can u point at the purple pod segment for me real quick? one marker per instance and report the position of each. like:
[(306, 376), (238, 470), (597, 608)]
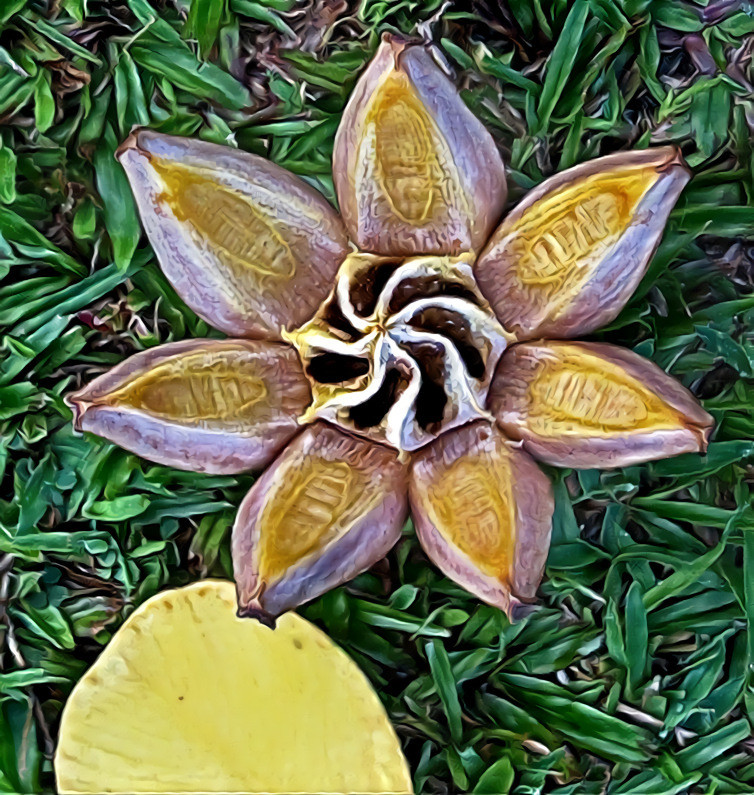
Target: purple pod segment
[(415, 171), (569, 256), (217, 406), (250, 247), (483, 513), (330, 507), (584, 405)]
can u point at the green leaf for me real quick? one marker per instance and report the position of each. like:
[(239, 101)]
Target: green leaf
[(44, 102), (703, 751), (52, 33), (204, 21), (442, 675), (637, 636), (674, 15), (749, 586), (7, 175), (126, 507), (9, 8), (680, 580), (121, 218), (20, 756), (497, 779), (266, 12), (17, 398), (180, 66), (28, 240), (560, 65)]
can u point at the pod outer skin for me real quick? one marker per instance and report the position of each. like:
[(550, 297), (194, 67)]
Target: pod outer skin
[(310, 226), (215, 450), (508, 402), (616, 277)]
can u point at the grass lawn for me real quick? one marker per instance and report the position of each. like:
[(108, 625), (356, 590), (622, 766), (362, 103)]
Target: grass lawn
[(634, 674)]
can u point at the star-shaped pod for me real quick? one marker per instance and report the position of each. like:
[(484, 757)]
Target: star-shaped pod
[(420, 368)]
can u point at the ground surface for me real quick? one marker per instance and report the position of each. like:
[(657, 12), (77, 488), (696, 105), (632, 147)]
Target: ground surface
[(634, 675)]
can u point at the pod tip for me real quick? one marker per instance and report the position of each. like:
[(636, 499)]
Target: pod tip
[(256, 611)]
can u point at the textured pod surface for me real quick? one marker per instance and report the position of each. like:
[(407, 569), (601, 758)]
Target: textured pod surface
[(585, 405), (567, 259), (218, 406), (483, 513), (250, 247), (327, 509), (190, 698), (415, 171)]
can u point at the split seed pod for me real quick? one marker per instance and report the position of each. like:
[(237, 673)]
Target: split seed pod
[(250, 247), (329, 508), (188, 697), (568, 257), (414, 346), (414, 169), (483, 510), (581, 404), (218, 406)]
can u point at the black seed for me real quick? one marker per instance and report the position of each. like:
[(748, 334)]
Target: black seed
[(372, 411), (427, 287), (431, 400), (333, 315), (333, 368), (430, 403), (456, 328), (366, 291)]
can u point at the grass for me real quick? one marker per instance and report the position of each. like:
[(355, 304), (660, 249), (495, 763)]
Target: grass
[(635, 673)]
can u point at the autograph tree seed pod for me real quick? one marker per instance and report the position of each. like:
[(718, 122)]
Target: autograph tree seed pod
[(250, 247), (329, 507), (418, 350), (188, 697), (217, 406), (581, 404), (483, 512), (567, 259), (425, 341), (414, 169)]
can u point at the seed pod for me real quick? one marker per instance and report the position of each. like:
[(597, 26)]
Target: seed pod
[(249, 247), (415, 171), (568, 258), (584, 405), (218, 406), (327, 509), (483, 513)]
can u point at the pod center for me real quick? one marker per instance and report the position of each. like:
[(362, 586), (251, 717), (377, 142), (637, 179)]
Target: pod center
[(402, 349)]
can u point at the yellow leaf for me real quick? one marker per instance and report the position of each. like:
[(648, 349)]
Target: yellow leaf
[(190, 698)]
